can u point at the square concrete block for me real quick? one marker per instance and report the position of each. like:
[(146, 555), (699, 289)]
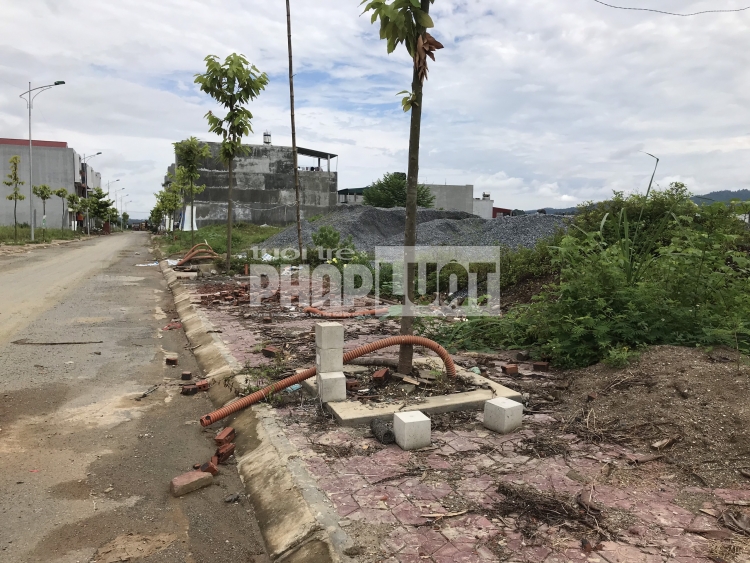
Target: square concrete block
[(329, 335), (331, 386), (329, 359), (412, 430), (502, 415)]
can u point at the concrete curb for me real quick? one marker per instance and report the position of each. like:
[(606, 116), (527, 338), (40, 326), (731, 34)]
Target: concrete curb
[(296, 520)]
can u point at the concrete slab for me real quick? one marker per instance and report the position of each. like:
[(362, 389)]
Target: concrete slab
[(354, 413)]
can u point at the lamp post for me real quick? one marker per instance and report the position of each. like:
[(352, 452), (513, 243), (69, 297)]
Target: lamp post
[(111, 182), (86, 184), (30, 105), (123, 206), (115, 194)]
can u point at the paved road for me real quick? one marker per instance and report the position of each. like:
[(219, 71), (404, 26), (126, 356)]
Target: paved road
[(84, 467)]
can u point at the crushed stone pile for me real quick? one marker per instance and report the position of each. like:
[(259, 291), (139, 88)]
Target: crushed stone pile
[(373, 226)]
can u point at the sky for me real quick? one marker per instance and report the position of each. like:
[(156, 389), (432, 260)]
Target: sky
[(541, 103)]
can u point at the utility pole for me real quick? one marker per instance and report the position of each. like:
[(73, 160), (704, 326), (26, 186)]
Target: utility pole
[(294, 131), (30, 104)]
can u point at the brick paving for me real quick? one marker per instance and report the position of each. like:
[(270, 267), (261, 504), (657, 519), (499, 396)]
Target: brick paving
[(400, 494)]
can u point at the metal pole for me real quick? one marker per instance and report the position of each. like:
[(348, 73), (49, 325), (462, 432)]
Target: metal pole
[(31, 183)]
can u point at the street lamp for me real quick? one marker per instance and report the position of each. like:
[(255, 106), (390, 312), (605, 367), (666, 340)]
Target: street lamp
[(86, 184), (114, 192), (111, 182), (30, 105)]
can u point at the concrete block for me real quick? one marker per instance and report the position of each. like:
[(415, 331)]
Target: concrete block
[(189, 482), (329, 335), (331, 386), (329, 359), (412, 430), (502, 415)]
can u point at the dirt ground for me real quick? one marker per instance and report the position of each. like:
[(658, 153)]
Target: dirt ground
[(86, 459)]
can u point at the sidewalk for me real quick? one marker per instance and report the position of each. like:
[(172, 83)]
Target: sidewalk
[(539, 494)]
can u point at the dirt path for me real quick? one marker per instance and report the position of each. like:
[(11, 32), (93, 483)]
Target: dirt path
[(84, 467)]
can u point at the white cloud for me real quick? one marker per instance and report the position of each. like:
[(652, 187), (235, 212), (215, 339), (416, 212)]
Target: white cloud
[(543, 104)]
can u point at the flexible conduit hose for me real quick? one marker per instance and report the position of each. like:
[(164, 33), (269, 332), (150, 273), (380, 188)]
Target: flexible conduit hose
[(253, 398), (343, 314)]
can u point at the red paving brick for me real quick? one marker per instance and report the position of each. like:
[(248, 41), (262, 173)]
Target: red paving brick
[(392, 488)]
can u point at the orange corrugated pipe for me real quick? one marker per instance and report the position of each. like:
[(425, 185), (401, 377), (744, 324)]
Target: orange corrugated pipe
[(193, 253), (253, 398), (344, 314)]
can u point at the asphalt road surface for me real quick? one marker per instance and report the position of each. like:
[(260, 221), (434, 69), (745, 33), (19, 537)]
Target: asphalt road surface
[(84, 466)]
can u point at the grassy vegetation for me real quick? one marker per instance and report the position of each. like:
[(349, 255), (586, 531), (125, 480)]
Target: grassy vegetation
[(24, 235), (244, 236), (636, 271)]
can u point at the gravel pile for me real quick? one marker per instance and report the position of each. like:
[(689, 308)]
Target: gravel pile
[(373, 226)]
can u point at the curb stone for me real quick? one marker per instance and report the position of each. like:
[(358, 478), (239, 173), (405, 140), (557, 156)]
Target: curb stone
[(297, 521)]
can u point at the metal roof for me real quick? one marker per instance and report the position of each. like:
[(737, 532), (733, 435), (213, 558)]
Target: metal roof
[(315, 154)]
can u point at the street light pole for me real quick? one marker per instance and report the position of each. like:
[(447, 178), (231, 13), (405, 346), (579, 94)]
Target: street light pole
[(86, 184), (30, 104)]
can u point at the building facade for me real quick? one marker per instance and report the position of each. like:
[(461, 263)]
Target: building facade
[(54, 164), (263, 188)]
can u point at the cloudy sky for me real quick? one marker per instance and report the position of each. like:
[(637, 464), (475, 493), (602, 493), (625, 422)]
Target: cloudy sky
[(539, 102)]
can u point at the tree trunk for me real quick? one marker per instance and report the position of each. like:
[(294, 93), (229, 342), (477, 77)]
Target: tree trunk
[(229, 218), (62, 222), (294, 130), (44, 220), (15, 221), (406, 351), (192, 227)]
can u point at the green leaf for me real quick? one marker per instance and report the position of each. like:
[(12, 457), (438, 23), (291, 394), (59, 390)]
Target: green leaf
[(424, 19)]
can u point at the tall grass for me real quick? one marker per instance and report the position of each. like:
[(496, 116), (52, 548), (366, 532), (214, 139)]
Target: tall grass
[(24, 235), (244, 236)]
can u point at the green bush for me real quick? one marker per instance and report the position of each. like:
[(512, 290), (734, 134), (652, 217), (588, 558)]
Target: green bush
[(670, 279)]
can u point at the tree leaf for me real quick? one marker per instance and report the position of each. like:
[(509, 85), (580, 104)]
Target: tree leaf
[(424, 19)]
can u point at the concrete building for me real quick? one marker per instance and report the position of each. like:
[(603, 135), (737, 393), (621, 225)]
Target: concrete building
[(56, 165), (263, 188), (484, 207), (453, 198), (351, 196)]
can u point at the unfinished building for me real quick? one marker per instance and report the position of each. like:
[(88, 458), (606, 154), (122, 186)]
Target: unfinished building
[(263, 187)]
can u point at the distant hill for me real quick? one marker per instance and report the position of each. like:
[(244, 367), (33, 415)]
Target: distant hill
[(722, 195)]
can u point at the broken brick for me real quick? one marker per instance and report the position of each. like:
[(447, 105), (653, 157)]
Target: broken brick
[(202, 385), (172, 359), (209, 467), (189, 389), (541, 366), (225, 436), (352, 385), (224, 452), (187, 376), (215, 460), (173, 326), (510, 369), (380, 376), (270, 351)]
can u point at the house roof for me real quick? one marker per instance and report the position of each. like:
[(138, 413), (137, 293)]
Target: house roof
[(35, 143), (315, 154)]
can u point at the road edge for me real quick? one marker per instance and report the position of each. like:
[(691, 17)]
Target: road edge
[(296, 520)]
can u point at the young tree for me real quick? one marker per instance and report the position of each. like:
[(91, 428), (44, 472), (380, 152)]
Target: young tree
[(14, 181), (407, 21), (190, 153), (390, 191), (74, 206), (62, 193), (43, 192), (233, 83), (168, 199), (98, 205), (125, 219)]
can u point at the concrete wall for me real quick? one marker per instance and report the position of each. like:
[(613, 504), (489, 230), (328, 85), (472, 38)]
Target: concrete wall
[(453, 198), (483, 208), (263, 188), (52, 166)]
